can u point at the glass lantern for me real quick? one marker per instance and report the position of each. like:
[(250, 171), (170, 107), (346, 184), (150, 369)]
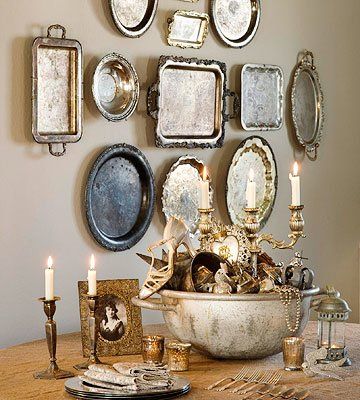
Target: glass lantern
[(332, 314)]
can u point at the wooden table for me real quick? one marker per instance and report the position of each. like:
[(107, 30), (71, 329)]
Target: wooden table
[(18, 363)]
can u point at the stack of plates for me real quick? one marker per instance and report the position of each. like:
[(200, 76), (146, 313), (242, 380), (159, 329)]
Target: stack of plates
[(79, 390)]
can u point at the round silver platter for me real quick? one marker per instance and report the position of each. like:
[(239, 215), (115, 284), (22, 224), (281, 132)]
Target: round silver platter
[(74, 387), (115, 87)]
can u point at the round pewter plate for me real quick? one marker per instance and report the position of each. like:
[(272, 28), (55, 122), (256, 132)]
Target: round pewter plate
[(74, 387), (181, 194), (236, 21), (120, 196), (133, 17), (256, 153), (115, 87)]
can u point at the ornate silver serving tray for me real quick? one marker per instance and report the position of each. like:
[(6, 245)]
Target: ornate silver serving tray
[(181, 193), (256, 153), (236, 21), (115, 87), (307, 102), (262, 97), (57, 69), (188, 29), (188, 102), (133, 17)]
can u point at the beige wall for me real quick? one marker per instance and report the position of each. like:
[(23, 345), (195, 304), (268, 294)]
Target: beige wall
[(42, 197)]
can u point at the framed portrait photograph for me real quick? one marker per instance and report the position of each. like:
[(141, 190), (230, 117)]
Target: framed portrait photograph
[(118, 321)]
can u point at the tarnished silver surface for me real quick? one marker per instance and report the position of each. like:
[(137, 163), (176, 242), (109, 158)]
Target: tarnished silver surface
[(133, 17), (56, 89), (242, 326), (115, 87), (181, 194), (188, 102), (307, 102), (262, 96), (255, 153), (236, 21), (188, 29)]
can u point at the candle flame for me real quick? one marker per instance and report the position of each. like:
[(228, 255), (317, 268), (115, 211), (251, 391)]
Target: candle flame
[(204, 173), (92, 262), (295, 169), (251, 175), (50, 262)]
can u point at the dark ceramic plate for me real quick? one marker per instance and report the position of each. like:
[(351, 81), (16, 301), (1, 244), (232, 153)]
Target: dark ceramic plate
[(120, 196)]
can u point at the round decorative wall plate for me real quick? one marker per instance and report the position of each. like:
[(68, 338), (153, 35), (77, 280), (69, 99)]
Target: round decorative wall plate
[(236, 21), (120, 196), (256, 153), (181, 191), (133, 17)]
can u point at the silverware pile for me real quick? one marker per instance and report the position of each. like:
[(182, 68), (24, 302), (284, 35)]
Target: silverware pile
[(256, 384)]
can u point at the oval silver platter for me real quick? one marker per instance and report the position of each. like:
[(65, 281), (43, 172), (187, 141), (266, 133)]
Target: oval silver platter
[(74, 387), (181, 194), (256, 153), (236, 21), (120, 196), (133, 17), (115, 87)]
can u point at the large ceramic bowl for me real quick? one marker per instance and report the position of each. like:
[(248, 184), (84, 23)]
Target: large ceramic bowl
[(241, 326)]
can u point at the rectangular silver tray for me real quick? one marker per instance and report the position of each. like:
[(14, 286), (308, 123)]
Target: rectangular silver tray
[(56, 89), (188, 102), (261, 97)]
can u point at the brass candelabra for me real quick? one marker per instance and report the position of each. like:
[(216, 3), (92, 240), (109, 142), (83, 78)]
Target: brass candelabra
[(53, 371)]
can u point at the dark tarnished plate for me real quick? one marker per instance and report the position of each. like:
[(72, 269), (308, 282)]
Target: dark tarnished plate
[(120, 196)]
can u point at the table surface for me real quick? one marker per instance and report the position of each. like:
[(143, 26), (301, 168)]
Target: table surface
[(18, 363)]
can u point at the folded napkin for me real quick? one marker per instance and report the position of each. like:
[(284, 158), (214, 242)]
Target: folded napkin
[(134, 369)]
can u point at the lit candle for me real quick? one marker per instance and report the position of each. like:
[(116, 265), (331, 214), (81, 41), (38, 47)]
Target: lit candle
[(295, 185), (49, 280), (204, 190), (92, 277), (251, 190)]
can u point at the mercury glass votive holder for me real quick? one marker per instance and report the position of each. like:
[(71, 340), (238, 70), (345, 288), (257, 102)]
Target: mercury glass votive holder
[(153, 349), (293, 353), (178, 356)]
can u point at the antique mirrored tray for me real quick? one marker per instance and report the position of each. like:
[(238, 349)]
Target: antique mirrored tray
[(57, 97), (188, 102), (181, 193), (256, 153), (188, 29), (133, 17), (307, 102), (120, 196), (262, 97), (115, 87), (236, 21)]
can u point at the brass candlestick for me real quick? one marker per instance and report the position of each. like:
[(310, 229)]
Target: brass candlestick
[(53, 371), (205, 223), (93, 301)]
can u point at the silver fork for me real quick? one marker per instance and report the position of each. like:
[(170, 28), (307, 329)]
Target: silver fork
[(265, 388), (241, 374), (247, 381), (244, 378), (262, 380)]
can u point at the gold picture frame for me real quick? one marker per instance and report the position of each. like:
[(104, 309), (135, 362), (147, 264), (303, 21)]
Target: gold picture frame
[(118, 321)]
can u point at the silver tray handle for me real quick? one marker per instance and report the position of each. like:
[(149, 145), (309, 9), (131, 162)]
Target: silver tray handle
[(153, 304), (236, 105), (57, 153), (152, 101), (56, 26)]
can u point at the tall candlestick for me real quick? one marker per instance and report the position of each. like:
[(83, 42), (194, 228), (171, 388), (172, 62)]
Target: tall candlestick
[(295, 185), (92, 277), (204, 190), (49, 280), (251, 190)]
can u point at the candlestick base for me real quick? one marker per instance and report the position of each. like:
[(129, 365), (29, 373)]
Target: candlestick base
[(53, 372), (91, 361)]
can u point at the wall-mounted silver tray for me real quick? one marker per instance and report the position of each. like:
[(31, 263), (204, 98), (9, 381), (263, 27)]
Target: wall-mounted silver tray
[(115, 87), (188, 102), (120, 196), (236, 21), (133, 17), (188, 29), (181, 193), (262, 97), (256, 153), (57, 98), (307, 102)]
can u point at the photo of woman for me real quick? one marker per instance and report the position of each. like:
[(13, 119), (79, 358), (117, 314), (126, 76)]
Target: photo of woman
[(113, 320)]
